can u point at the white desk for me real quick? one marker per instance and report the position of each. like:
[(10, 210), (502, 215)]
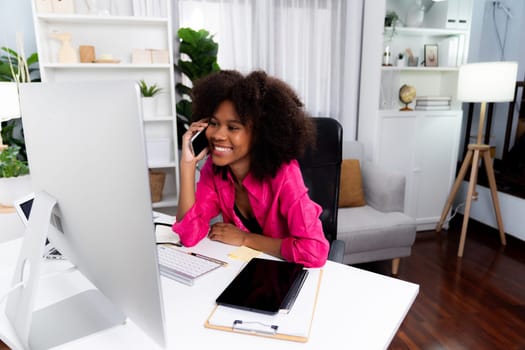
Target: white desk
[(356, 309), (10, 226)]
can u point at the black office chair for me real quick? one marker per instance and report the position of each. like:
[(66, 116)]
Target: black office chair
[(321, 170)]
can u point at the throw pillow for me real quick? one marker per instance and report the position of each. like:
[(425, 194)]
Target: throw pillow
[(351, 187)]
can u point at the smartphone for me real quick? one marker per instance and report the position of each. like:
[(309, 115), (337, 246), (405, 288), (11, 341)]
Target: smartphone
[(199, 141)]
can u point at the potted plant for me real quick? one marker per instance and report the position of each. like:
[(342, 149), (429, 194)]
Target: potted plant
[(391, 21), (148, 93), (198, 58), (15, 181), (14, 176), (14, 67)]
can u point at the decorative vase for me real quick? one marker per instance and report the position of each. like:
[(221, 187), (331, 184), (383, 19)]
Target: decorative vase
[(66, 53), (149, 108), (13, 188)]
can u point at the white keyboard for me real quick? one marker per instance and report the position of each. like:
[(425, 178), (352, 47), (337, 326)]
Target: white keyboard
[(182, 266)]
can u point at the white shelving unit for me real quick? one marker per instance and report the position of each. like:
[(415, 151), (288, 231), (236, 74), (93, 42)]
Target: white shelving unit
[(116, 34), (421, 144)]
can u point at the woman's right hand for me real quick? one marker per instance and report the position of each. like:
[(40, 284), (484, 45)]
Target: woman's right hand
[(187, 155), (188, 168)]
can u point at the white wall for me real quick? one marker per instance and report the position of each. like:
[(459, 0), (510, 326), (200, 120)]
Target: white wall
[(16, 16)]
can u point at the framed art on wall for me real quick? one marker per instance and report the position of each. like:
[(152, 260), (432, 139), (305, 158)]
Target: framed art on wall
[(431, 55)]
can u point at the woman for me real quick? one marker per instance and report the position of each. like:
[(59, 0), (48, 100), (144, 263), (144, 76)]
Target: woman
[(256, 129)]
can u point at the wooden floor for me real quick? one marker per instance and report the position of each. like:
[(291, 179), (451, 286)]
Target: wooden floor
[(477, 302)]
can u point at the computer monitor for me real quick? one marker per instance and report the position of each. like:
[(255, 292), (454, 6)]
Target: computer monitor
[(86, 149)]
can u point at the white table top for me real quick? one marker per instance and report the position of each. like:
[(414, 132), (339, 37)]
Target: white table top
[(356, 309), (10, 226)]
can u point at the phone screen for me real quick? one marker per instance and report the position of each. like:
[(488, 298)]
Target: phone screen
[(199, 141)]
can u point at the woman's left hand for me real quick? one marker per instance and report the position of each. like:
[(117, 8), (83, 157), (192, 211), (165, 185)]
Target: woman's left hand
[(227, 233)]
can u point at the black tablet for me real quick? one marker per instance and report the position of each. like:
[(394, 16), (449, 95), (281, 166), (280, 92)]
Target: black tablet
[(265, 286)]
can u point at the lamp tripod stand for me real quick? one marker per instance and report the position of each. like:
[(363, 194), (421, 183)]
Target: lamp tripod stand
[(476, 152)]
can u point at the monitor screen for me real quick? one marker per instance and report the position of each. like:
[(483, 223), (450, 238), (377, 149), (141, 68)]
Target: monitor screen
[(86, 149)]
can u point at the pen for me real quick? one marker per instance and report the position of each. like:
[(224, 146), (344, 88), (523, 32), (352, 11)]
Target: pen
[(217, 261)]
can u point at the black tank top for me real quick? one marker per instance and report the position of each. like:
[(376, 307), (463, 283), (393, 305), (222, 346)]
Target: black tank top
[(250, 223)]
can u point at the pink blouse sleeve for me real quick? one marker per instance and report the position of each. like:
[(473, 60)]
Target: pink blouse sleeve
[(195, 224), (307, 244)]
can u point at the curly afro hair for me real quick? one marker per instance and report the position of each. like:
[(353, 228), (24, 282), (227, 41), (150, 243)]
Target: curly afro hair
[(210, 91), (281, 128)]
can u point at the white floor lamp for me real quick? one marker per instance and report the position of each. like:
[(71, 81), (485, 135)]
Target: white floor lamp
[(481, 82)]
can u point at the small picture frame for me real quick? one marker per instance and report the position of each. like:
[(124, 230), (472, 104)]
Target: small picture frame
[(431, 55)]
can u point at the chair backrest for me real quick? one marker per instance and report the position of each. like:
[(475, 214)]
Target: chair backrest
[(321, 170)]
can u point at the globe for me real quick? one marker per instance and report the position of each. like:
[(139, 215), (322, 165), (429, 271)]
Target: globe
[(407, 94)]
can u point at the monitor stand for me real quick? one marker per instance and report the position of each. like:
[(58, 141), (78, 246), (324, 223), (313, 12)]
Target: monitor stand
[(64, 321)]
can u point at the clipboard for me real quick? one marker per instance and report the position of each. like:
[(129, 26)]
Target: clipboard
[(294, 325)]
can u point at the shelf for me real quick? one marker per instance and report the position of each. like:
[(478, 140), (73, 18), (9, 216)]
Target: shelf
[(118, 35), (412, 31), (164, 118), (160, 165), (419, 69), (169, 200), (397, 112), (103, 66), (92, 19)]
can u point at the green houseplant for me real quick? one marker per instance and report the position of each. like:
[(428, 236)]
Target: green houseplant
[(14, 67), (149, 90), (148, 93), (198, 58), (14, 176), (10, 165), (14, 171), (391, 21)]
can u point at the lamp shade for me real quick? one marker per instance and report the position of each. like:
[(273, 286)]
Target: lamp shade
[(9, 104), (487, 81)]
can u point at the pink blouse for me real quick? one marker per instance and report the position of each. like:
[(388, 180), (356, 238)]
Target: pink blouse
[(280, 204)]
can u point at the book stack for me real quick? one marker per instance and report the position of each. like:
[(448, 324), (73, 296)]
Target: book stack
[(433, 103)]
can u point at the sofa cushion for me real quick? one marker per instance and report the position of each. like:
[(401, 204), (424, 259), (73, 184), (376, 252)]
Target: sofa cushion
[(366, 229), (351, 185)]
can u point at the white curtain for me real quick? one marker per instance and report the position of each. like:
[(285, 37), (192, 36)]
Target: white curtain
[(313, 45)]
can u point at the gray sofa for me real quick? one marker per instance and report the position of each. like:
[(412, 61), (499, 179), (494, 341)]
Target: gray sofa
[(379, 230)]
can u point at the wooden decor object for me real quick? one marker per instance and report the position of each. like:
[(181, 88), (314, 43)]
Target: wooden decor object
[(159, 56), (87, 53), (140, 56), (66, 53)]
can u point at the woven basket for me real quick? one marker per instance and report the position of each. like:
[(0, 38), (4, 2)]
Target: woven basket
[(156, 185)]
